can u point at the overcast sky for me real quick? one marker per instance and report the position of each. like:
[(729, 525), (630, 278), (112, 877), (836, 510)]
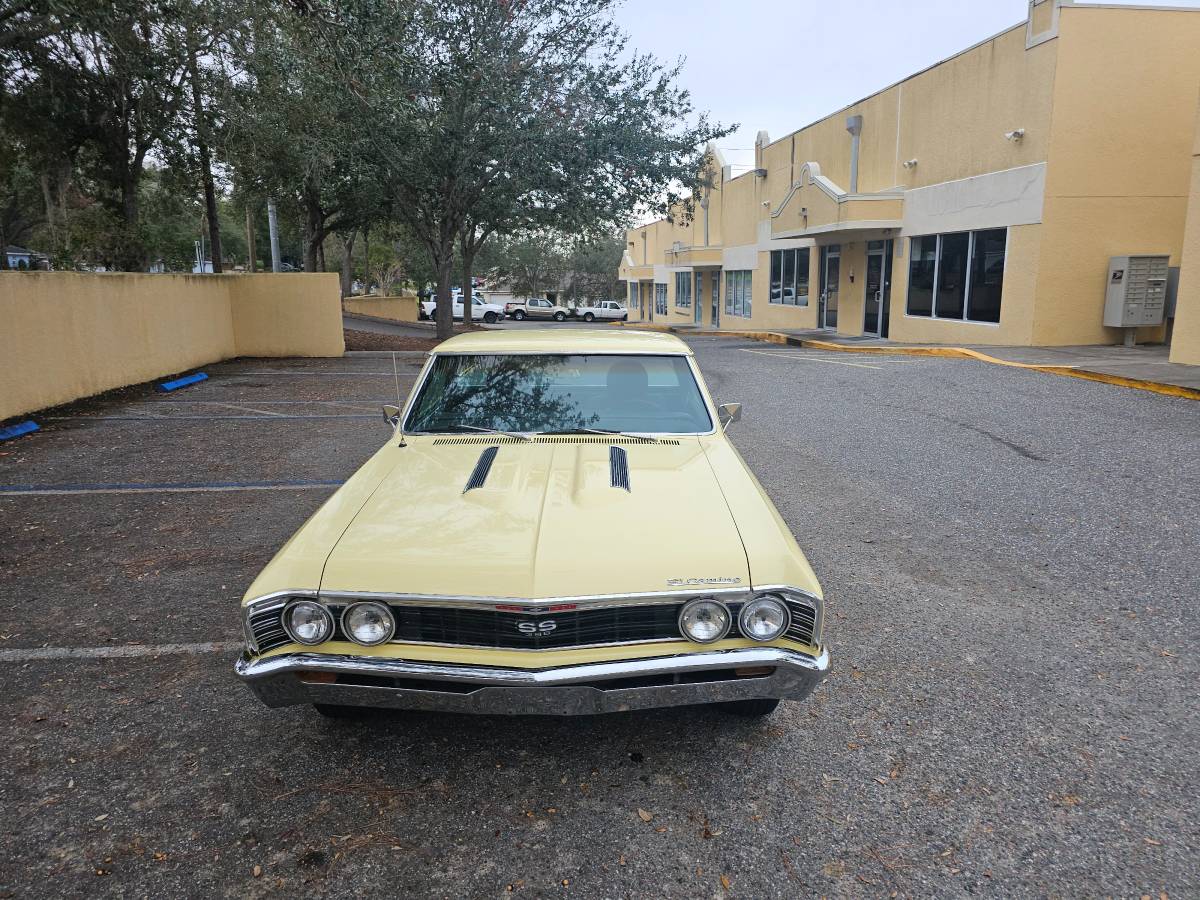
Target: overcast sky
[(780, 64)]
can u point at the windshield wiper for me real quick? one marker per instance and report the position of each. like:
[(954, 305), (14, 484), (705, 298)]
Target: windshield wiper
[(511, 434), (609, 431)]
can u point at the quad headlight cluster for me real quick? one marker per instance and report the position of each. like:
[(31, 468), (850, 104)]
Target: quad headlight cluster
[(706, 620), (368, 623)]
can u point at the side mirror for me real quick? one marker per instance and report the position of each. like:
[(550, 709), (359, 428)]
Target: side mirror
[(729, 412), (391, 414)]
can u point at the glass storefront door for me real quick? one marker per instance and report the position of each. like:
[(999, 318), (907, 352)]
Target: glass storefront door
[(831, 273)]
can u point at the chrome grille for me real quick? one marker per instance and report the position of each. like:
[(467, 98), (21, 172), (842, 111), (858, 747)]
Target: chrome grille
[(267, 627), (804, 621), (536, 629), (551, 439)]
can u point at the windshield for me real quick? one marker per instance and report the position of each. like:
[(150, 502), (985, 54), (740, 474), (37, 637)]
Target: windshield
[(544, 393)]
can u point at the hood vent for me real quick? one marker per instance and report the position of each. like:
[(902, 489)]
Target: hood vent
[(618, 468), (549, 439), (479, 476)]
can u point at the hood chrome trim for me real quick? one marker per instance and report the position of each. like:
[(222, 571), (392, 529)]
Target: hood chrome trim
[(480, 473), (618, 468)]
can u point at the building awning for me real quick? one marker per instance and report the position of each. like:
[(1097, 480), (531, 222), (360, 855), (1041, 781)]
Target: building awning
[(815, 205), (694, 256)]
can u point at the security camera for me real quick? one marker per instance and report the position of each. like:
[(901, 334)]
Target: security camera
[(1014, 136), (910, 163)]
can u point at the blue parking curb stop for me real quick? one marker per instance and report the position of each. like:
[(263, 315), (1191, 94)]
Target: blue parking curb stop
[(182, 382), (15, 431)]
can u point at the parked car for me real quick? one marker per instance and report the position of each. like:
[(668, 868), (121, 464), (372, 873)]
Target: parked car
[(605, 309), (382, 600), (537, 308), (481, 309)]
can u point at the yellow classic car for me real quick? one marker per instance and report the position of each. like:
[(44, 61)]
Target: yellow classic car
[(699, 594)]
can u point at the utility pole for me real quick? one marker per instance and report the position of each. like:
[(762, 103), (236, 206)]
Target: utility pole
[(273, 222)]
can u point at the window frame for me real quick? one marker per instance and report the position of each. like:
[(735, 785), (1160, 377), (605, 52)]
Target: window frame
[(683, 290), (967, 280), (779, 265), (739, 293)]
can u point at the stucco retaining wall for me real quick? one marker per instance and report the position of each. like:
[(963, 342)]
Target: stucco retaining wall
[(67, 335)]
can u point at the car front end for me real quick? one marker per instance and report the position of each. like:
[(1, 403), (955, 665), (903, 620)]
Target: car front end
[(560, 656), (382, 599)]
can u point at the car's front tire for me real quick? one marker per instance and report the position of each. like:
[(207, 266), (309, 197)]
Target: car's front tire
[(490, 318), (756, 708), (519, 315), (560, 317)]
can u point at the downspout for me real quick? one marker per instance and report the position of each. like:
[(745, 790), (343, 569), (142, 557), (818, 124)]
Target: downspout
[(854, 126)]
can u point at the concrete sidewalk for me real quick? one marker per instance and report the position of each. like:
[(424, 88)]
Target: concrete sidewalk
[(1145, 367)]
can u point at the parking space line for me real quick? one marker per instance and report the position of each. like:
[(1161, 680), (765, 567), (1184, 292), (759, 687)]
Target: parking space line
[(301, 374), (796, 356), (161, 420), (34, 654), (54, 490)]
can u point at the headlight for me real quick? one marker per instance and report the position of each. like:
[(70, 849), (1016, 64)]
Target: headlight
[(308, 622), (368, 623), (764, 619), (704, 621)]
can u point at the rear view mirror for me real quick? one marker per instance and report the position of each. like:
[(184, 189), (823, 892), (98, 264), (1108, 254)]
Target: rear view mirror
[(729, 412), (391, 414)]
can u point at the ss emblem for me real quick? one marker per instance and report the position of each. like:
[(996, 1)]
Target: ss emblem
[(543, 627)]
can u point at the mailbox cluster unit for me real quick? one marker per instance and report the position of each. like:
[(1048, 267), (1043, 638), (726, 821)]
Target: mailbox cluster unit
[(1137, 291)]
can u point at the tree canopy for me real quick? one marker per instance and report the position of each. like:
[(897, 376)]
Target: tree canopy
[(432, 124)]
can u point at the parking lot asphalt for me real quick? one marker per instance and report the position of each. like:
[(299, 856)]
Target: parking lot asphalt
[(1009, 561)]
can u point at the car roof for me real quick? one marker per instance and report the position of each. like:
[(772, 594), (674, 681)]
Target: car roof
[(566, 340)]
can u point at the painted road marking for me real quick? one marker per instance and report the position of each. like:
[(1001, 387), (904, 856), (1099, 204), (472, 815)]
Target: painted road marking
[(369, 402), (39, 653), (160, 420), (54, 490), (796, 356), (264, 412)]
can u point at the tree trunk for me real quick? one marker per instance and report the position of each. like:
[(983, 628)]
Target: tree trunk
[(321, 253), (445, 302), (468, 263), (348, 264), (206, 175), (314, 230), (251, 250), (367, 262)]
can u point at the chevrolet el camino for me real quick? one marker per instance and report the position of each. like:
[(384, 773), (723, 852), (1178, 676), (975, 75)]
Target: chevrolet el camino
[(700, 595)]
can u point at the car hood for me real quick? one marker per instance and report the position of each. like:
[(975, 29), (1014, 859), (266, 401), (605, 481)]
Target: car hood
[(546, 522)]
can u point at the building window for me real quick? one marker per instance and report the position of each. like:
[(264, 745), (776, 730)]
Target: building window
[(737, 293), (660, 299), (789, 277), (633, 296), (957, 276), (683, 289)]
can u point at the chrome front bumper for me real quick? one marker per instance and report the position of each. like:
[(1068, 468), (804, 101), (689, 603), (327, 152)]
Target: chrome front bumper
[(570, 690)]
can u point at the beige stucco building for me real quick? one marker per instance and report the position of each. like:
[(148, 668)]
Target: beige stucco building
[(978, 201)]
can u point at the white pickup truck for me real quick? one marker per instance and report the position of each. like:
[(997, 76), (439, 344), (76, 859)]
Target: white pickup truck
[(605, 309), (481, 310)]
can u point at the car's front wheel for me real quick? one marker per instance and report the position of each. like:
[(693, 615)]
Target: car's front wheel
[(519, 315), (560, 317), (588, 317), (757, 708), (490, 318)]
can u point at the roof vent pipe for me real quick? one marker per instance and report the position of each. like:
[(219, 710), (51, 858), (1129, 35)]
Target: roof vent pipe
[(854, 126)]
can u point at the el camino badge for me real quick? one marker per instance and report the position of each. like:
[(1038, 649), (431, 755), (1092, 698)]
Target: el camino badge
[(688, 582)]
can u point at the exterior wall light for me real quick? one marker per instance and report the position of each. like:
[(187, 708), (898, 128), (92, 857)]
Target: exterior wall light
[(910, 163), (1014, 136)]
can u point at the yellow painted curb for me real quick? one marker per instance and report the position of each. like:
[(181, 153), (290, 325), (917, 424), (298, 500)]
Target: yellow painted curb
[(775, 337), (1139, 384)]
